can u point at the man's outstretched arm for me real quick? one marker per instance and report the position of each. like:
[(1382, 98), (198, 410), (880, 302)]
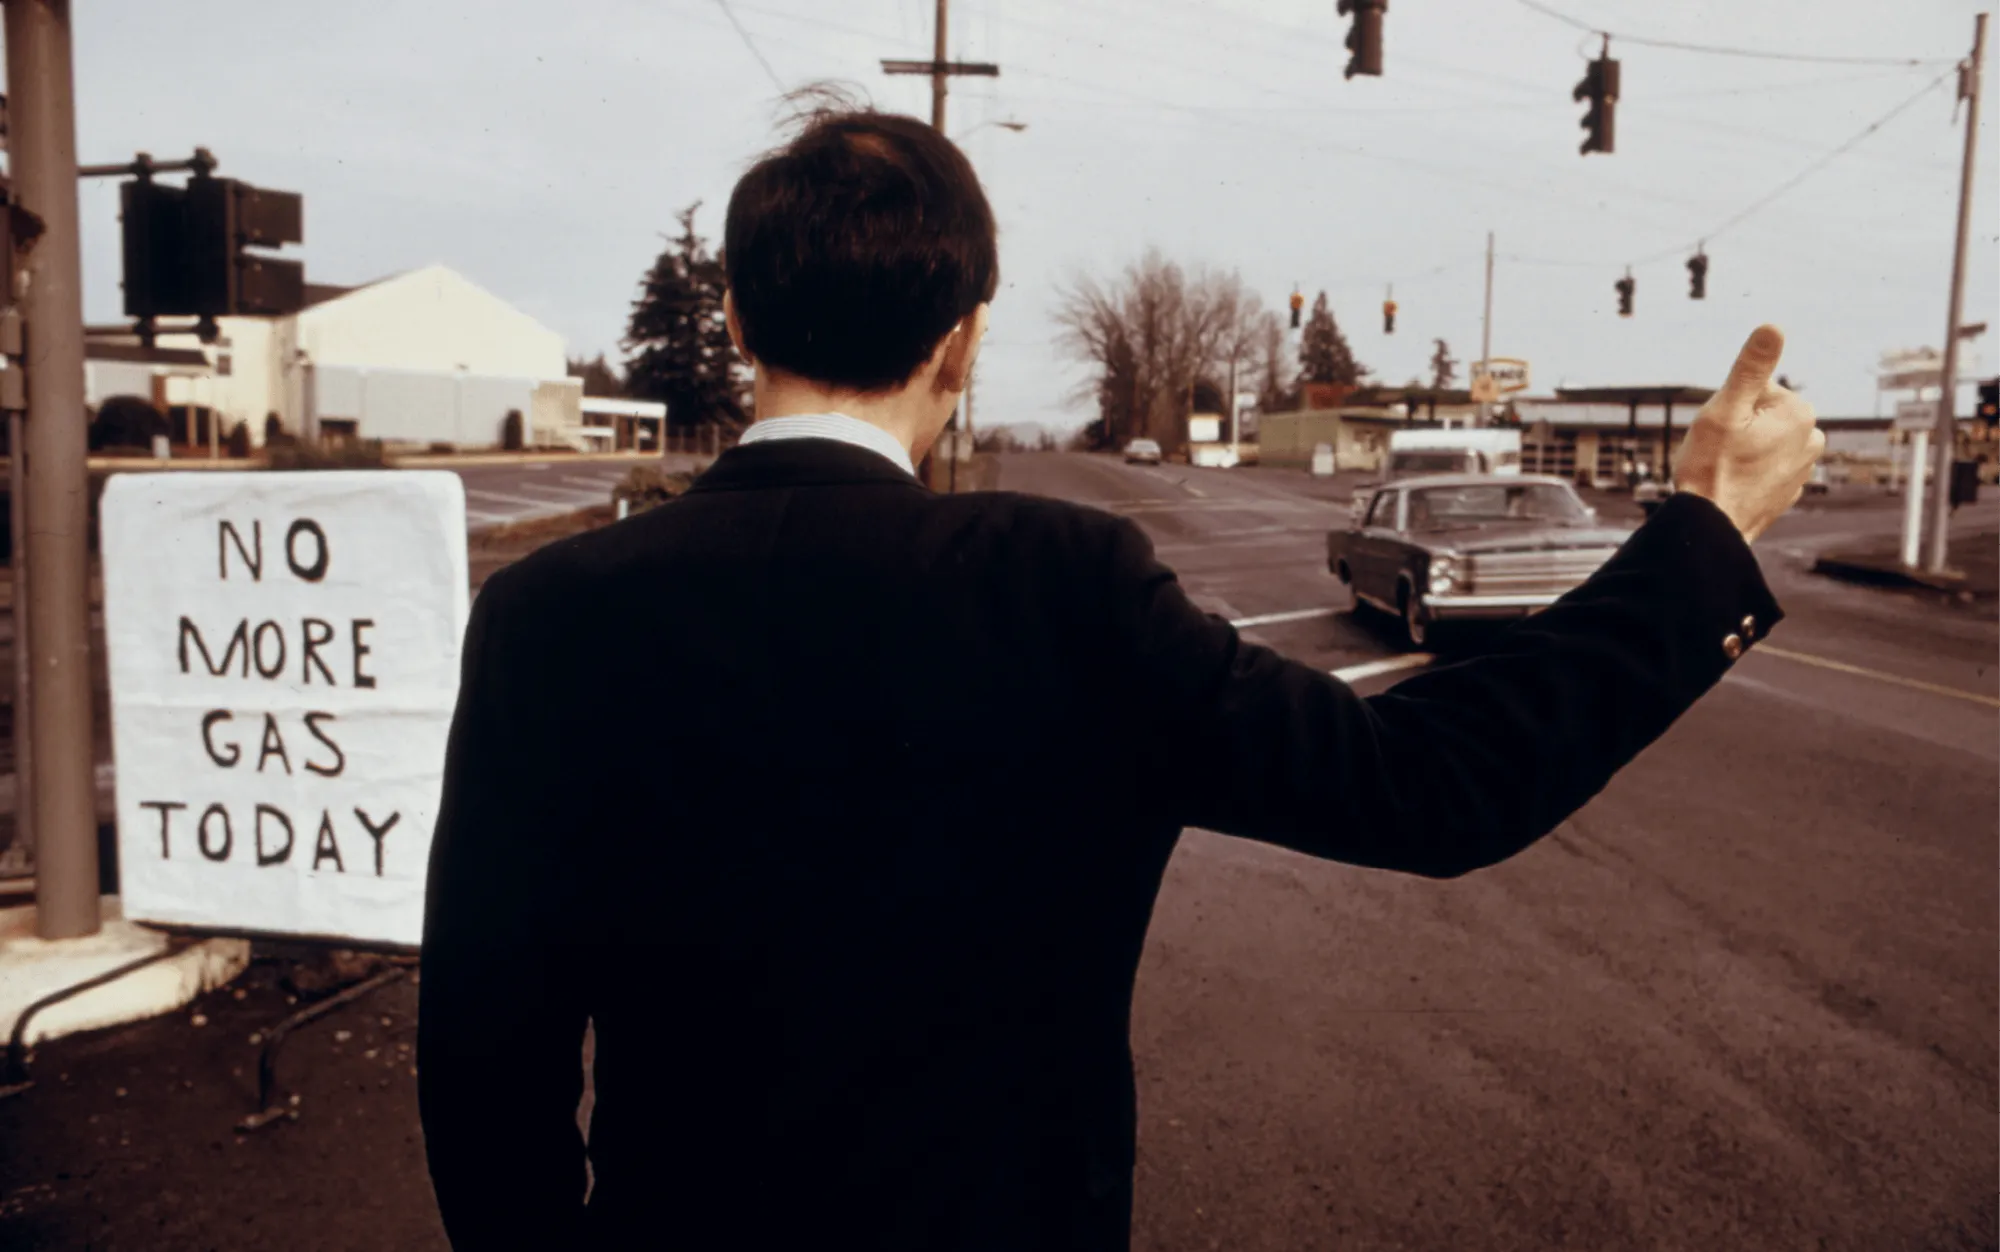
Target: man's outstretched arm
[(1467, 764), (500, 1014)]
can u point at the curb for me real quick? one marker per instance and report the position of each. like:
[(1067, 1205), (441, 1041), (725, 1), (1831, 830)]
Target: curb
[(1889, 572), (32, 968)]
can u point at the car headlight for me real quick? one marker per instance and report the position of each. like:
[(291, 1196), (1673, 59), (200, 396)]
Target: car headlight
[(1443, 574)]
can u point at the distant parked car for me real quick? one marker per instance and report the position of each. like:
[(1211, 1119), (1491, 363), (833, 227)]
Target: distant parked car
[(1821, 481), (1142, 452), (1650, 494), (1461, 546)]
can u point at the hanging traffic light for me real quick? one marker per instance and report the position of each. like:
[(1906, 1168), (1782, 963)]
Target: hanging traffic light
[(1625, 288), (1298, 302), (1989, 402), (1600, 87), (1364, 36), (1698, 276), (187, 250), (1389, 313)]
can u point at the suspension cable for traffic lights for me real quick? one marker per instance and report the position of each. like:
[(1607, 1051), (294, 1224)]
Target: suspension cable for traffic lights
[(1714, 50), (1681, 249)]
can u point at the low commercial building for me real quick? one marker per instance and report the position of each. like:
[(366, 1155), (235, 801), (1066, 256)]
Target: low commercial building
[(421, 358), (619, 424)]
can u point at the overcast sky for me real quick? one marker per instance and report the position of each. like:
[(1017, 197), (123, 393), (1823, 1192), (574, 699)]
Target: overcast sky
[(543, 150)]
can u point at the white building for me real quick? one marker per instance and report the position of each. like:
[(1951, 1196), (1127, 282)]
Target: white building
[(422, 357)]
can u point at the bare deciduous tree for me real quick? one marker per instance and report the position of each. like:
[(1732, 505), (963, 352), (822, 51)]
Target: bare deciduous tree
[(1152, 334)]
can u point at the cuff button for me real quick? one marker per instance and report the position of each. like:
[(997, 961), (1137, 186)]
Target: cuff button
[(1732, 646), (1749, 628)]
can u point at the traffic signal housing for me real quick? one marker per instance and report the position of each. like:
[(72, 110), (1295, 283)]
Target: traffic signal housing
[(1625, 287), (189, 250), (1388, 317), (1600, 88), (1989, 402), (1698, 277), (227, 218), (1298, 303), (1364, 36)]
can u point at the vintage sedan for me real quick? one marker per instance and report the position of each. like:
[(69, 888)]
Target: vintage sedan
[(1452, 547)]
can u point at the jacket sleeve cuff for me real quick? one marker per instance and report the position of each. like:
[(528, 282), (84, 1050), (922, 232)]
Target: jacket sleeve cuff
[(1723, 603)]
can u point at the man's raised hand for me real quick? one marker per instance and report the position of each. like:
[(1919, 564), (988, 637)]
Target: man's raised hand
[(1754, 444)]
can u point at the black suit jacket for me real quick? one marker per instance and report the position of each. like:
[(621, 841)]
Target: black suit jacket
[(840, 808)]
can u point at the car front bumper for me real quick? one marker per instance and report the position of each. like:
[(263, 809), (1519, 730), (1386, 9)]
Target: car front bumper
[(1438, 608)]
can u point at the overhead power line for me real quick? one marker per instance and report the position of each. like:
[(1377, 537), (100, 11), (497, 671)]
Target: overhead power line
[(751, 44), (1715, 50)]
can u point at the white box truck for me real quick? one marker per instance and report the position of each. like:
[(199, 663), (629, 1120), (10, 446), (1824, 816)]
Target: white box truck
[(1488, 451)]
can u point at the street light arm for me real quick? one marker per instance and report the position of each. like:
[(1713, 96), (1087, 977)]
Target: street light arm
[(1016, 127)]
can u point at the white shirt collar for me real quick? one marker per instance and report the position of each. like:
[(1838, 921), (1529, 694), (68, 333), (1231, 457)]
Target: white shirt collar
[(837, 426)]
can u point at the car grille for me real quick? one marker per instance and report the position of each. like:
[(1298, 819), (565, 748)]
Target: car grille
[(1545, 572)]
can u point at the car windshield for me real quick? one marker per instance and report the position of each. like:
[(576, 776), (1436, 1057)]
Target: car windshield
[(1477, 504), (1144, 445)]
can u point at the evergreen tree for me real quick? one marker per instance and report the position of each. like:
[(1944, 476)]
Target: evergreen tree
[(676, 342), (1324, 356), (600, 377), (1444, 370)]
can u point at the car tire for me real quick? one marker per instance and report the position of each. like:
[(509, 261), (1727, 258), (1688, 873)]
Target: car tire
[(1417, 632)]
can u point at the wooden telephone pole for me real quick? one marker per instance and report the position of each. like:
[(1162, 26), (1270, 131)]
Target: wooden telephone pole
[(940, 71)]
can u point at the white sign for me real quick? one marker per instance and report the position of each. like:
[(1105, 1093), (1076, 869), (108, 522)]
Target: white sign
[(1508, 374), (284, 655), (1204, 429), (1322, 462), (1916, 415)]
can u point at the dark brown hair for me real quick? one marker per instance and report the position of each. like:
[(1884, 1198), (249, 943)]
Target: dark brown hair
[(853, 250)]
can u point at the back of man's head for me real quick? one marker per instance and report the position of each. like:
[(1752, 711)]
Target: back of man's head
[(854, 250)]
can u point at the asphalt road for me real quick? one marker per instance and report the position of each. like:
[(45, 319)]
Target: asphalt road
[(1745, 999), (517, 492), (522, 490)]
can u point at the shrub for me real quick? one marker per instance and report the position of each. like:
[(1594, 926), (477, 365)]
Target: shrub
[(355, 454), (274, 428), (126, 422), (238, 443), (648, 486), (511, 434)]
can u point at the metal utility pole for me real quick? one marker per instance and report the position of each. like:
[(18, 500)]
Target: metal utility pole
[(1486, 321), (940, 71), (42, 152), (1232, 403), (1968, 92)]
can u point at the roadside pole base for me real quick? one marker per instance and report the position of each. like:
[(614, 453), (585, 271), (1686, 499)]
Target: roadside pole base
[(32, 969)]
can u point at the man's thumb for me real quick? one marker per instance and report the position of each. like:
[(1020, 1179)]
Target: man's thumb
[(1754, 365)]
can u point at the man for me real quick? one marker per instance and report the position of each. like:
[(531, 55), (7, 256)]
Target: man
[(839, 807)]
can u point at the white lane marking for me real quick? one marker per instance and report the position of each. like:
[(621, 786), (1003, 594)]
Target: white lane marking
[(1196, 491), (507, 499), (1350, 673), (599, 483), (1272, 619), (556, 500), (1387, 665)]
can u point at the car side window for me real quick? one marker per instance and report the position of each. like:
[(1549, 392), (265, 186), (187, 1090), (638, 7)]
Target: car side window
[(1382, 510)]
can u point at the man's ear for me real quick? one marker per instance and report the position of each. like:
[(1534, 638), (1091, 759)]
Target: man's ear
[(735, 325), (961, 351)]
